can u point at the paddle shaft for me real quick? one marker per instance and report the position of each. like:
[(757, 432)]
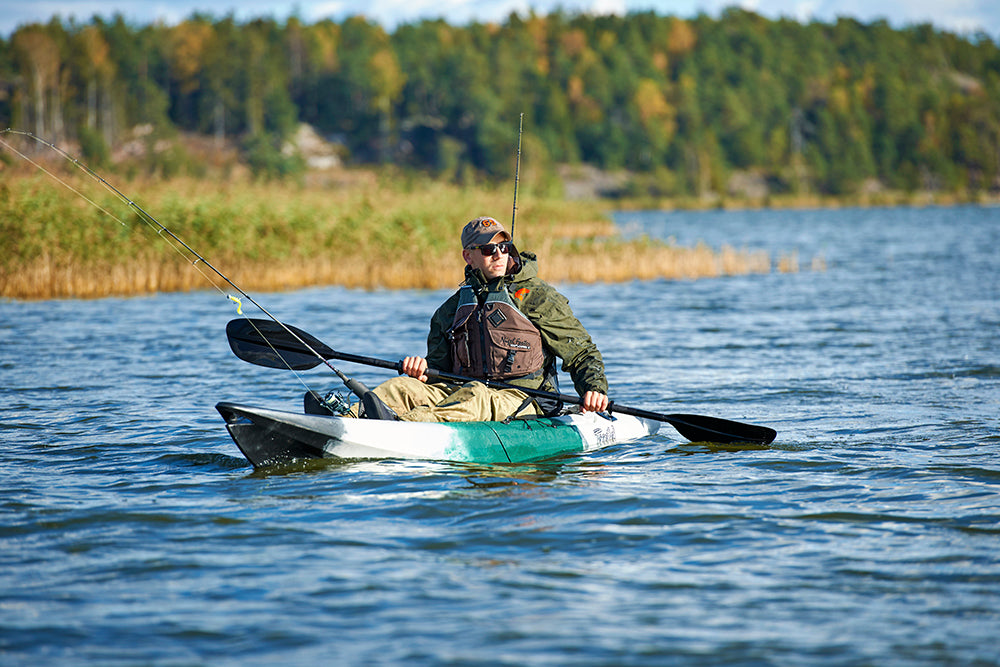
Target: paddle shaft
[(693, 427)]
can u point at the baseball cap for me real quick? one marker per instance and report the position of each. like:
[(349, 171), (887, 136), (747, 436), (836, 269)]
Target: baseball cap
[(481, 231)]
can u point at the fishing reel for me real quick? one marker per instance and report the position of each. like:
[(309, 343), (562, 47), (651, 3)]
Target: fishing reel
[(333, 403)]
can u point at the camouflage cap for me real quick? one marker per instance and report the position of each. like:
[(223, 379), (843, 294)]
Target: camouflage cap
[(481, 231)]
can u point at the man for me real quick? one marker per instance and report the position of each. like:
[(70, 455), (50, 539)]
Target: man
[(506, 324)]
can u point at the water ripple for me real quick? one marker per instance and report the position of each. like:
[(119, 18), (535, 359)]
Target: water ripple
[(133, 531)]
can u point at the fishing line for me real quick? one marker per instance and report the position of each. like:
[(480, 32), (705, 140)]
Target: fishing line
[(171, 239), (163, 232)]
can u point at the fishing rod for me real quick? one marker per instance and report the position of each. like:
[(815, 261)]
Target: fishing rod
[(517, 170), (170, 237)]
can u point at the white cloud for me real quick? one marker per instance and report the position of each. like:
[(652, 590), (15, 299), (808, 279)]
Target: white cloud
[(804, 11), (605, 7)]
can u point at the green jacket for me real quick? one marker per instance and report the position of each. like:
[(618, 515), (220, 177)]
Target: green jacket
[(562, 334)]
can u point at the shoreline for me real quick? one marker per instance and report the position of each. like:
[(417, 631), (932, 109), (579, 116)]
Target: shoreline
[(609, 263), (350, 230), (81, 242), (886, 199)]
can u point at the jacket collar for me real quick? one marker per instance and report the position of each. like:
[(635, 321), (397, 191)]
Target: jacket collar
[(475, 279)]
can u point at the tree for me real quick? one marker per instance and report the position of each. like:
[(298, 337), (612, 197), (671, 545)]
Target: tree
[(189, 42), (36, 54), (691, 99)]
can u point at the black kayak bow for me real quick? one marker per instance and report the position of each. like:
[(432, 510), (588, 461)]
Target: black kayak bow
[(277, 345)]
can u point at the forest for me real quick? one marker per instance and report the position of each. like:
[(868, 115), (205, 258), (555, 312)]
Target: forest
[(686, 106)]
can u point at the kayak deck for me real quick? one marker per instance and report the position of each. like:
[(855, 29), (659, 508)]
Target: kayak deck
[(266, 436)]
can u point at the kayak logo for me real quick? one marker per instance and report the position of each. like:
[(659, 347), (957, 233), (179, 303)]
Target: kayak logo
[(604, 436)]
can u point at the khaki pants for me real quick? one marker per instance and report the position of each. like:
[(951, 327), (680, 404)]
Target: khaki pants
[(418, 401)]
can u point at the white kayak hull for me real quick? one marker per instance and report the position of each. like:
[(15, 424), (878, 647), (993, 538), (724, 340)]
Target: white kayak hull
[(267, 436)]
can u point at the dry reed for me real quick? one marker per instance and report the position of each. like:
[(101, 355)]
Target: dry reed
[(44, 278), (367, 233)]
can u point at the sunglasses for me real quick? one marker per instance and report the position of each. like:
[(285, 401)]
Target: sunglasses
[(488, 249)]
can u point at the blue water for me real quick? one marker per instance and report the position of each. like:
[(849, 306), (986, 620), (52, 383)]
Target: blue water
[(133, 532)]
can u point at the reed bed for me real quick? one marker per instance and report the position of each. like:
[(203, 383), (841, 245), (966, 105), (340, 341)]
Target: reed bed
[(363, 231), (618, 261)]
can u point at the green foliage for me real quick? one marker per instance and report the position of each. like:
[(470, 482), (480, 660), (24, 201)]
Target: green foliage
[(93, 147), (267, 160), (682, 103)]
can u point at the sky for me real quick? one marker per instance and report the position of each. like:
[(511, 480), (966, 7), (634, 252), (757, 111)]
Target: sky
[(966, 17)]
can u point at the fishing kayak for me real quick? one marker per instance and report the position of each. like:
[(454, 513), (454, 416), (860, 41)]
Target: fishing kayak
[(268, 436)]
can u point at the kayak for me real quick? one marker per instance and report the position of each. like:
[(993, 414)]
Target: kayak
[(268, 436), (275, 344)]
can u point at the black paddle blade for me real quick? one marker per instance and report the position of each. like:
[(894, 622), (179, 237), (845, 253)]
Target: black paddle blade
[(267, 343), (698, 428)]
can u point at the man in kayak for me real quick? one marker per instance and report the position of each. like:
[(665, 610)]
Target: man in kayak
[(504, 323)]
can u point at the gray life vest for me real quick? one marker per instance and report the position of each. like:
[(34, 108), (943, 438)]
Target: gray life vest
[(494, 340)]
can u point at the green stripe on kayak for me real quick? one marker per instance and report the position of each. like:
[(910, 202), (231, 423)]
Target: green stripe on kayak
[(520, 440)]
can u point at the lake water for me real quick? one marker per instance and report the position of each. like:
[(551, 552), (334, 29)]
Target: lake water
[(133, 532)]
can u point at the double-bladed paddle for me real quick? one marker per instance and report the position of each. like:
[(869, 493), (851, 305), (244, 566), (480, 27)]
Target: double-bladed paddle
[(276, 345)]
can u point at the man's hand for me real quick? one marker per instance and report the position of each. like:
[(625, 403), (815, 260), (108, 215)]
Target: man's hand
[(415, 367), (595, 401)]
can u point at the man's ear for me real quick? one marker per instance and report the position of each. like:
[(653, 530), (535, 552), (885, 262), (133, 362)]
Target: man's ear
[(466, 255)]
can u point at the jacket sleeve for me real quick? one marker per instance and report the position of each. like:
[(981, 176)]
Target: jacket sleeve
[(565, 336), (438, 349)]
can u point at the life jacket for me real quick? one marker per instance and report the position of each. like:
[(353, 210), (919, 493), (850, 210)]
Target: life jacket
[(494, 339)]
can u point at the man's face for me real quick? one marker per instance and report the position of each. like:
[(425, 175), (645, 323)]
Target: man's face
[(492, 266)]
